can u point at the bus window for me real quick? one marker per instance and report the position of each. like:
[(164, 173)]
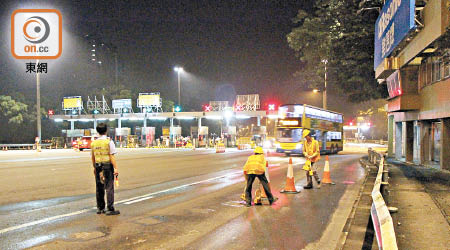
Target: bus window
[(289, 135)]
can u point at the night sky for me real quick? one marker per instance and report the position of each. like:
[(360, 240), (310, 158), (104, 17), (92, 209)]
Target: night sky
[(227, 48)]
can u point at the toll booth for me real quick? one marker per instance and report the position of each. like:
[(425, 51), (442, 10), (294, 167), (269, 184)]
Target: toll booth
[(200, 136), (72, 134), (165, 138), (259, 135), (175, 135), (148, 136), (121, 136), (229, 136)]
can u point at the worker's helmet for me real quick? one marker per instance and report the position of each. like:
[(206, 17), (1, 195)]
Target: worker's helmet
[(306, 132), (259, 150)]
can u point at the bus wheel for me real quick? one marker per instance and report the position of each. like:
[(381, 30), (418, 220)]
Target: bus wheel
[(288, 154)]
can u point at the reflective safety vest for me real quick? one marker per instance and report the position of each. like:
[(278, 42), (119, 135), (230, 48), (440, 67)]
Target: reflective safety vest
[(256, 164), (100, 147), (312, 149)]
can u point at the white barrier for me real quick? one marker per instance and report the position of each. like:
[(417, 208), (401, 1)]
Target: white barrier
[(381, 218)]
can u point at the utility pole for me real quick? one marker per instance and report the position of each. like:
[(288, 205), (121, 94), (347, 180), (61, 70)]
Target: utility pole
[(324, 98), (38, 103)]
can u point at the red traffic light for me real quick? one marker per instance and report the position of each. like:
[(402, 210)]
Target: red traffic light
[(207, 108), (271, 107), (51, 112)]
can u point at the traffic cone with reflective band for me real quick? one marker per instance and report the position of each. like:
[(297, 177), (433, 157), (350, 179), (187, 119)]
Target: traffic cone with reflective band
[(326, 173), (290, 182)]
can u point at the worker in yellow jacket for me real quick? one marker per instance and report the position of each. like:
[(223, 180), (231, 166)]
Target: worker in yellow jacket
[(105, 169), (311, 151), (256, 167)]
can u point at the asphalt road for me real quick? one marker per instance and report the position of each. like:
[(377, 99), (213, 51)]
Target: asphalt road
[(169, 199)]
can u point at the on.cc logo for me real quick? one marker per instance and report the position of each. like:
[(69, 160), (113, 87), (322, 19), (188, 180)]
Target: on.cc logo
[(36, 29)]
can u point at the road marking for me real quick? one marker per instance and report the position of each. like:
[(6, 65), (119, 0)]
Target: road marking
[(41, 159), (126, 201), (138, 200), (42, 221), (174, 188)]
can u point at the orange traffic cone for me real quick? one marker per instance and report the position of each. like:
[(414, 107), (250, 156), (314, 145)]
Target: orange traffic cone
[(326, 173), (290, 182)]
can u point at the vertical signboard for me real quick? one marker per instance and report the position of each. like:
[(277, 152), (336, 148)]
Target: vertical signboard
[(393, 25)]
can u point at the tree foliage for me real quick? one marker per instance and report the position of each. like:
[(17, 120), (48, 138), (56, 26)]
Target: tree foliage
[(336, 32), (12, 110)]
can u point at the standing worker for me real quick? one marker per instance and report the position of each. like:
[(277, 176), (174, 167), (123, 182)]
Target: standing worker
[(311, 152), (256, 167), (105, 169)]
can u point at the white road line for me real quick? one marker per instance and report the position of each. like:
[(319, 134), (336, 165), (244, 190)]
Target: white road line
[(42, 221), (175, 188), (42, 159), (127, 202), (138, 200)]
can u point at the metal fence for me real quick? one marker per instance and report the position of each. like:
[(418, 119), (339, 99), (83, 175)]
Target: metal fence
[(381, 217)]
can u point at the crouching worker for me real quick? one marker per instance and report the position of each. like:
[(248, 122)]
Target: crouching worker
[(311, 152), (105, 168), (256, 167)]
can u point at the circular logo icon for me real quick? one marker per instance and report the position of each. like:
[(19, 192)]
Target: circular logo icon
[(36, 29)]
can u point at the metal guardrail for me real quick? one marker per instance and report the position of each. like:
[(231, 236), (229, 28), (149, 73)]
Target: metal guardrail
[(381, 217)]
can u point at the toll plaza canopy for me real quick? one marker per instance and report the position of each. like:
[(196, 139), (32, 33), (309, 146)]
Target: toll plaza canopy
[(167, 115)]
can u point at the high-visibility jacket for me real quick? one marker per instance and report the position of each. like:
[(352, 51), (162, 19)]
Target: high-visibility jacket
[(312, 150), (256, 164), (100, 147)]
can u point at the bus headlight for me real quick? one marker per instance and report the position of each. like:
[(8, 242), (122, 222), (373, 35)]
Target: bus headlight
[(277, 145), (298, 146)]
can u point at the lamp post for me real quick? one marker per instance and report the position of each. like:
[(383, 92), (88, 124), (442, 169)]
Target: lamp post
[(179, 70), (325, 61), (38, 103)]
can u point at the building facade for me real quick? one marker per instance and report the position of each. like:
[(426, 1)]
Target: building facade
[(414, 62)]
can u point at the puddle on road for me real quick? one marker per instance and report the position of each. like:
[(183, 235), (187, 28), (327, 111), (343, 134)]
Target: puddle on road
[(238, 203), (153, 220), (202, 210), (88, 235)]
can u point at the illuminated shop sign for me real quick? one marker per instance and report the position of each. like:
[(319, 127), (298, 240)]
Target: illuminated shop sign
[(393, 25)]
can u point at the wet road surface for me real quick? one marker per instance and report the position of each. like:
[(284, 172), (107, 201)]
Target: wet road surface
[(169, 199)]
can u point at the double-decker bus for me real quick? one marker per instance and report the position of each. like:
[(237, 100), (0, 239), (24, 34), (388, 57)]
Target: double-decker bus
[(326, 127)]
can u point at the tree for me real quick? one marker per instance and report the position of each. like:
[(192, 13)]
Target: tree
[(335, 32), (12, 110), (167, 105)]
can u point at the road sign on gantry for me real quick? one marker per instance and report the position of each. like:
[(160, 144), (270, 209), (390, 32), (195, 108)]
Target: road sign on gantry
[(121, 105), (72, 102), (151, 102), (218, 105), (247, 102)]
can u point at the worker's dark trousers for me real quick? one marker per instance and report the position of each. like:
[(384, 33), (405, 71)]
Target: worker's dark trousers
[(262, 178), (309, 177), (108, 172)]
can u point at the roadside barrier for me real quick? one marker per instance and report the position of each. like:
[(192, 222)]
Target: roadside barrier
[(326, 173), (381, 218), (289, 187), (220, 148), (243, 146)]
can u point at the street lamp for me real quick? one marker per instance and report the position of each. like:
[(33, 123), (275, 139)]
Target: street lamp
[(179, 70), (325, 61)]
